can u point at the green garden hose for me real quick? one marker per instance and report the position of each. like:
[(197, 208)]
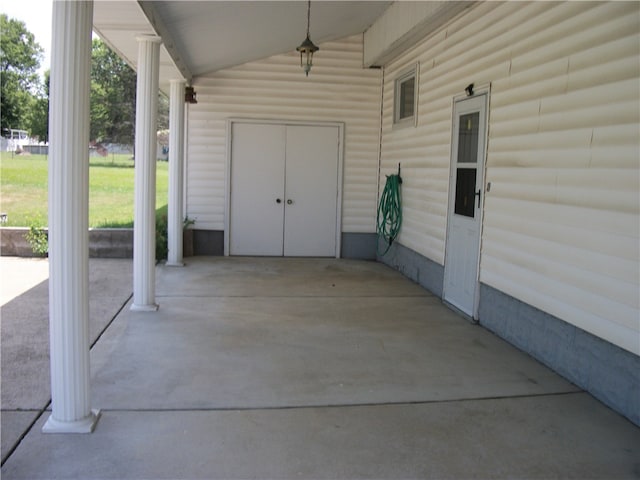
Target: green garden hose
[(389, 218)]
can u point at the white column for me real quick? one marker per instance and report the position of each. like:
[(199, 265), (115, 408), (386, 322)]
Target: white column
[(144, 216), (176, 172), (69, 219)]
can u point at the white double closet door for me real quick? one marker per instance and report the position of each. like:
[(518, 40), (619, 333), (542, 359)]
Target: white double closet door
[(284, 190)]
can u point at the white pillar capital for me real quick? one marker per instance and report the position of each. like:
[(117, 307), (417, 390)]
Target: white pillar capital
[(149, 38)]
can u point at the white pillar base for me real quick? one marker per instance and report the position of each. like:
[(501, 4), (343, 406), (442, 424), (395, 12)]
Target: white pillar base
[(174, 264), (144, 308), (85, 425)]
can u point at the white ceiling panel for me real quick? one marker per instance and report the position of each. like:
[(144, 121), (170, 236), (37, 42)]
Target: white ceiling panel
[(216, 35), (204, 36)]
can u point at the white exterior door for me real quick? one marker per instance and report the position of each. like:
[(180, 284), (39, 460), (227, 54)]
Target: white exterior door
[(466, 189), (284, 190), (311, 184), (257, 189)]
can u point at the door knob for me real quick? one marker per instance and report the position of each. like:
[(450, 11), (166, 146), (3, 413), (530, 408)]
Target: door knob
[(278, 200), (289, 202)]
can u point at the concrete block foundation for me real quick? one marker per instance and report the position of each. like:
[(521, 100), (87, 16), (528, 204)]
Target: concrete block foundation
[(103, 242)]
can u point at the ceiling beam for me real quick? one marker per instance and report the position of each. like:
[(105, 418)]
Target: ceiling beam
[(405, 23), (149, 9)]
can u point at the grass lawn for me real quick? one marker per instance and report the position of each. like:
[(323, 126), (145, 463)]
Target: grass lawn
[(24, 197)]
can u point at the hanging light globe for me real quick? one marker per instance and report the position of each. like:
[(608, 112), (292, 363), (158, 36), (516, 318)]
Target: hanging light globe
[(307, 47)]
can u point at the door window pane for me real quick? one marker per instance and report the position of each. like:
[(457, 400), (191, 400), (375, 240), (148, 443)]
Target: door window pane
[(465, 192), (468, 138)]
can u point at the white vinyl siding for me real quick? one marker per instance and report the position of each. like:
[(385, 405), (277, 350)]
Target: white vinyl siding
[(338, 89), (561, 222)]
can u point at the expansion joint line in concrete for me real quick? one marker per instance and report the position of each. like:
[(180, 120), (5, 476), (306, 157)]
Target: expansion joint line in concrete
[(345, 405), (427, 295), (44, 409), (27, 430), (111, 321)]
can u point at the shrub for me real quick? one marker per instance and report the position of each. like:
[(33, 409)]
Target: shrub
[(162, 245), (38, 239)]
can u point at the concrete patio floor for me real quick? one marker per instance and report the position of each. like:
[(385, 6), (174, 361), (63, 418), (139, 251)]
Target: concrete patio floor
[(305, 368)]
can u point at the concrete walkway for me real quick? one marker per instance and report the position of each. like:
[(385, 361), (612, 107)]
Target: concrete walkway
[(316, 368), (26, 389)]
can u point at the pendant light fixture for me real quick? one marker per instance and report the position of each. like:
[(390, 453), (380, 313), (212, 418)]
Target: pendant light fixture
[(307, 48)]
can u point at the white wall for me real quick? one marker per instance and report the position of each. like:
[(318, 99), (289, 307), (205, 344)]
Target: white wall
[(338, 89), (561, 222)]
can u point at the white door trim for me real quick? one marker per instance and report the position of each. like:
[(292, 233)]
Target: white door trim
[(483, 91), (229, 140)]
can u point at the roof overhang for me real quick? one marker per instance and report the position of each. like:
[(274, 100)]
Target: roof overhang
[(201, 37), (404, 24)]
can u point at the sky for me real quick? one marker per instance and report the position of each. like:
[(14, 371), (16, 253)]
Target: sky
[(36, 14)]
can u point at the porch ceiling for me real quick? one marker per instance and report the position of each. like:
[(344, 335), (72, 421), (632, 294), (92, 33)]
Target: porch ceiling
[(204, 36)]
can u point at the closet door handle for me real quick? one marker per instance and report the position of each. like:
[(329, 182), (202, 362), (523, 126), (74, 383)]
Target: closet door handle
[(278, 200), (289, 202)]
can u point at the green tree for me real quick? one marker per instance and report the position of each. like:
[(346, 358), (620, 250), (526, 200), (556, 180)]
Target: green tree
[(113, 96), (20, 57), (163, 112), (39, 115), (100, 114)]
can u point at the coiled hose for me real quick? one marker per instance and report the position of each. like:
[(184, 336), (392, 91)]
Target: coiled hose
[(389, 218)]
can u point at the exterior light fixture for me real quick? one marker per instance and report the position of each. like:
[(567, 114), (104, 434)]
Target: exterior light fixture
[(307, 48), (469, 90), (190, 95)]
